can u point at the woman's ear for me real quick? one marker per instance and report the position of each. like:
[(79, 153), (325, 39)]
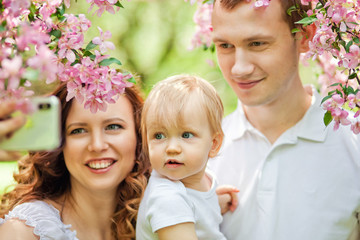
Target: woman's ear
[(305, 36), (216, 144)]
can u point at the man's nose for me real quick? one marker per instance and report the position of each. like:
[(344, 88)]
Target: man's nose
[(243, 65)]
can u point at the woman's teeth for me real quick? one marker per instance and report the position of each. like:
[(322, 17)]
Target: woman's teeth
[(100, 164)]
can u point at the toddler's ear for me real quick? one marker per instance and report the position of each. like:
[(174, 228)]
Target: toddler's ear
[(216, 144)]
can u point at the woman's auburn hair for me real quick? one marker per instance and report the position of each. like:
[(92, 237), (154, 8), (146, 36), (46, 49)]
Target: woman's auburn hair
[(43, 175)]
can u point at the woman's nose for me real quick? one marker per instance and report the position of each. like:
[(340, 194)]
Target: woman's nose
[(98, 142)]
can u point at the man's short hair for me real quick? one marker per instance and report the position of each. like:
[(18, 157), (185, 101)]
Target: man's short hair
[(286, 4)]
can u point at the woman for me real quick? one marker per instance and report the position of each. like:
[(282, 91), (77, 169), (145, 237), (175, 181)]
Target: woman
[(89, 188)]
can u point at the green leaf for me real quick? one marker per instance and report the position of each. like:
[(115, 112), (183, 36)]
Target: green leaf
[(88, 53), (290, 10), (75, 62), (208, 1), (356, 39), (343, 43), (118, 4), (327, 118), (325, 98), (349, 90), (352, 76), (295, 30), (90, 46), (132, 80), (307, 21), (2, 28), (56, 33), (32, 13), (107, 62), (334, 84), (348, 45)]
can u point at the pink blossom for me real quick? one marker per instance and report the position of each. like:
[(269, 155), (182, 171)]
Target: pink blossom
[(68, 42), (95, 102), (202, 19), (12, 70), (103, 5), (45, 62), (75, 90), (355, 127), (261, 3), (24, 105), (103, 45), (305, 2), (354, 102), (31, 34), (17, 6)]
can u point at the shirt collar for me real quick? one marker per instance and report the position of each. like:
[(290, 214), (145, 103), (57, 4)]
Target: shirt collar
[(310, 127)]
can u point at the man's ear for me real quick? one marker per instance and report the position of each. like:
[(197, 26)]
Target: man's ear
[(216, 144), (305, 36)]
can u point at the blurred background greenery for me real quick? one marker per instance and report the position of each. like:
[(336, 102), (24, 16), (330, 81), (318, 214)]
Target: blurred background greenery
[(152, 39)]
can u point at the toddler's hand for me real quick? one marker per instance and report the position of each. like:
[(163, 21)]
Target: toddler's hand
[(228, 198)]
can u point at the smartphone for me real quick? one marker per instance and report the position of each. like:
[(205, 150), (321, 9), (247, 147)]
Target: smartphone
[(42, 130)]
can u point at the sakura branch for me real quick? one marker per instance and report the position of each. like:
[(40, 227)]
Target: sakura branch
[(39, 41)]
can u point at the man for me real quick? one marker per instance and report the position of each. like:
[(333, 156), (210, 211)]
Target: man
[(298, 179)]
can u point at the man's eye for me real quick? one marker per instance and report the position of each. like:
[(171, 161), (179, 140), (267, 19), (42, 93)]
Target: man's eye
[(225, 45), (77, 131), (159, 136), (257, 44), (187, 135), (113, 127)]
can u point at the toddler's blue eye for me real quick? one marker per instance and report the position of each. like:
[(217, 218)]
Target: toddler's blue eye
[(159, 136), (113, 127), (187, 135)]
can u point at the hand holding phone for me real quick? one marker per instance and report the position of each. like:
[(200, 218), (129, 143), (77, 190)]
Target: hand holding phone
[(41, 130), (8, 126)]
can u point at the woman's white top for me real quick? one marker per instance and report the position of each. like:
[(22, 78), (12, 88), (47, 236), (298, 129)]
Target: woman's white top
[(44, 218)]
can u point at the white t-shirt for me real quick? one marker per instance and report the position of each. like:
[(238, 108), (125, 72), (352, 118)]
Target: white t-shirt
[(305, 186), (44, 218), (166, 203)]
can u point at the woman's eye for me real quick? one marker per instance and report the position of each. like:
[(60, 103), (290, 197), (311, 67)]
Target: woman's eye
[(113, 127), (159, 136), (187, 135), (77, 131)]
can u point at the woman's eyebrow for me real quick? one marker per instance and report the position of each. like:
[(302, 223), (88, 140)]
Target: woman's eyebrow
[(80, 124)]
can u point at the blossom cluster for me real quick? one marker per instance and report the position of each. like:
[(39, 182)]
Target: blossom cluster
[(39, 41), (202, 20), (335, 47)]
